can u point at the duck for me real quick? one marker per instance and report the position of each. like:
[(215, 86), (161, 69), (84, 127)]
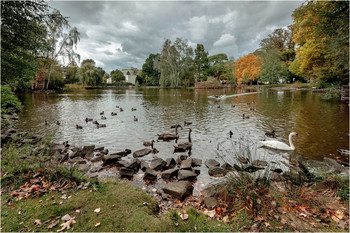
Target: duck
[(58, 123), (88, 119), (245, 116), (233, 106), (183, 146), (121, 109), (113, 113), (168, 135), (252, 109), (270, 133), (248, 103), (95, 122), (187, 123), (117, 106), (103, 118), (174, 126), (135, 118), (102, 113), (79, 126), (46, 123), (231, 133), (149, 143), (155, 151), (133, 109), (218, 106), (280, 145), (101, 125)]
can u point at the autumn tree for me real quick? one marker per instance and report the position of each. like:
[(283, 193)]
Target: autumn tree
[(247, 68), (321, 35)]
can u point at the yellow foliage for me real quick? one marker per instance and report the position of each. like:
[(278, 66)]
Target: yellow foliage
[(247, 66)]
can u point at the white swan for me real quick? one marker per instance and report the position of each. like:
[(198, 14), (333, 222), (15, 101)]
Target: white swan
[(280, 145)]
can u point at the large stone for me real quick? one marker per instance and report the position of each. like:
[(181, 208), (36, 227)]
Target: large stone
[(144, 165), (123, 163), (87, 150), (217, 171), (167, 174), (111, 159), (126, 172), (134, 164), (179, 190), (157, 164), (210, 202), (336, 167), (142, 152), (242, 159), (196, 162), (96, 159), (170, 163), (212, 163), (227, 167), (123, 153), (276, 177), (180, 158), (186, 164), (259, 163), (83, 167), (252, 168), (56, 147), (150, 174), (186, 175)]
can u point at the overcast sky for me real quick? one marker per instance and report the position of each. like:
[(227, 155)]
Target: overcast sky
[(122, 34)]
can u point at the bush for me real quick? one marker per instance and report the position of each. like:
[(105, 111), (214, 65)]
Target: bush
[(9, 102)]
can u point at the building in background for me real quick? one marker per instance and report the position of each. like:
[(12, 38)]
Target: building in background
[(130, 74)]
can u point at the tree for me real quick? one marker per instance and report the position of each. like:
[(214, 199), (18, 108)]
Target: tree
[(217, 65), (117, 76), (150, 74), (201, 62), (23, 33), (175, 63), (61, 43), (272, 69), (229, 71), (88, 74), (71, 73), (248, 68), (105, 77), (321, 33)]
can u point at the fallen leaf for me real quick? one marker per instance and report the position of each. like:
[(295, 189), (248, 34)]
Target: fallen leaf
[(53, 223), (67, 224), (66, 218), (279, 227), (335, 218), (97, 224), (77, 211), (283, 221), (97, 210), (37, 222), (259, 219), (184, 215), (64, 197), (209, 213), (267, 224), (225, 219)]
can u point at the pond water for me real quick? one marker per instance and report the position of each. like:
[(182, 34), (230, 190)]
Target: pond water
[(322, 125)]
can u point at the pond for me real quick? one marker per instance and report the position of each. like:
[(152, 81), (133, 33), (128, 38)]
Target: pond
[(322, 126)]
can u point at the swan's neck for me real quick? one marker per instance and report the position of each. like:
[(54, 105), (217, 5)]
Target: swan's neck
[(290, 142), (189, 136)]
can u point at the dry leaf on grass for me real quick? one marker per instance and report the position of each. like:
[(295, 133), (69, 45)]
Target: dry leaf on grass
[(184, 215), (209, 213), (37, 222), (259, 218), (97, 224), (267, 224), (53, 223), (97, 210), (67, 224), (279, 227)]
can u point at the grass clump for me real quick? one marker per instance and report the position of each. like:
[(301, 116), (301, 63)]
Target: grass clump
[(9, 101)]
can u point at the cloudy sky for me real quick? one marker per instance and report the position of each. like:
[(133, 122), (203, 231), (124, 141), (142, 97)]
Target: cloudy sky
[(122, 34)]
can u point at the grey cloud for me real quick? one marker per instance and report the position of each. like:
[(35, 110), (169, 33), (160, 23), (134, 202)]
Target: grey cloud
[(121, 34)]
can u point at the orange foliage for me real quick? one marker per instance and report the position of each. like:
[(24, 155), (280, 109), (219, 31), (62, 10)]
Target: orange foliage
[(247, 66)]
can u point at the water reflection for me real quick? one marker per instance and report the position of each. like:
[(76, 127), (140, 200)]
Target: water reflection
[(322, 126)]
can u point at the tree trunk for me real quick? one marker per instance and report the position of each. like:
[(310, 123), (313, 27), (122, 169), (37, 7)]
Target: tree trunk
[(48, 78)]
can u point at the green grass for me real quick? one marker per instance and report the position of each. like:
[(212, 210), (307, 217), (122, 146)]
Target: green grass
[(123, 208)]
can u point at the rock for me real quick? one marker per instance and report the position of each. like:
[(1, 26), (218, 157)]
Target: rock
[(259, 163), (210, 202), (83, 167), (56, 147), (144, 165), (238, 168), (111, 159), (251, 168), (96, 159), (99, 149), (87, 150), (123, 153), (79, 160), (157, 164), (167, 174), (89, 155), (142, 152), (197, 171), (217, 171), (95, 169), (212, 163), (179, 190), (278, 170), (196, 162), (186, 164), (73, 154), (170, 163), (126, 172), (242, 160), (186, 175), (150, 174), (276, 177), (180, 158), (105, 151), (227, 167), (338, 168), (134, 164), (122, 163), (66, 218)]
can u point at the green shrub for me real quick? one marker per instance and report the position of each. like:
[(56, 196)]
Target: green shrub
[(9, 102)]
